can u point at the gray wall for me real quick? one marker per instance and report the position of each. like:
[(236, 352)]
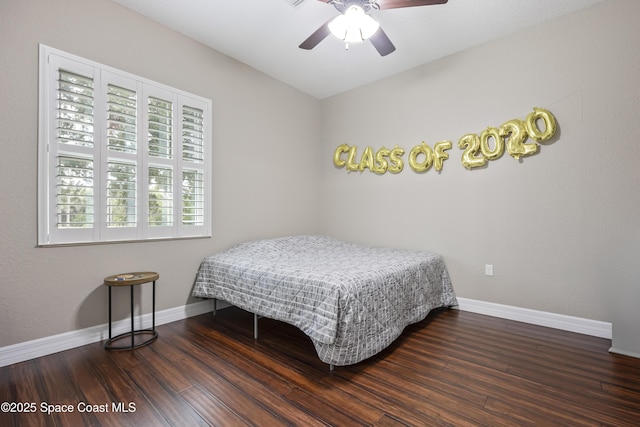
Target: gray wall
[(561, 227), (261, 128)]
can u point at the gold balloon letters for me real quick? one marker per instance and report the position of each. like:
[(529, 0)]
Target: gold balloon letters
[(512, 135), (382, 161), (491, 144), (435, 156)]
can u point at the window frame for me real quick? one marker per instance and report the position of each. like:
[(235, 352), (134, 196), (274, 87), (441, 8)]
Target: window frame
[(50, 148)]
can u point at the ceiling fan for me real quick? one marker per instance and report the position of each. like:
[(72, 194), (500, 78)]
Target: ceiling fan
[(355, 25)]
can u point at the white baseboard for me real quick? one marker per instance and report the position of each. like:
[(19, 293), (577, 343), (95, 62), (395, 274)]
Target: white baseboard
[(580, 325), (41, 347), (65, 341)]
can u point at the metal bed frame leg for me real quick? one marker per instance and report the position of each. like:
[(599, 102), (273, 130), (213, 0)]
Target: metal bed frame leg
[(215, 306), (255, 326), (255, 329)]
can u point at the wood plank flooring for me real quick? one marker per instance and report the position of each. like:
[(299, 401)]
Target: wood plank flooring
[(454, 368)]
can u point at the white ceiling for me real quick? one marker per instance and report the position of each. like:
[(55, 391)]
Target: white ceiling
[(265, 34)]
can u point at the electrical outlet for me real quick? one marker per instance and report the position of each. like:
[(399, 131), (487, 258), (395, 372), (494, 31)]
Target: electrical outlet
[(488, 269)]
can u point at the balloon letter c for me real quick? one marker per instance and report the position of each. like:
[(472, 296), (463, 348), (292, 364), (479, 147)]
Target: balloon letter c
[(337, 159)]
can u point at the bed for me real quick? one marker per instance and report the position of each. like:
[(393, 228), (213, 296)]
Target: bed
[(351, 300)]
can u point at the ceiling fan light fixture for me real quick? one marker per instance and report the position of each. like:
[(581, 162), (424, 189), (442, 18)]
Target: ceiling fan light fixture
[(354, 26)]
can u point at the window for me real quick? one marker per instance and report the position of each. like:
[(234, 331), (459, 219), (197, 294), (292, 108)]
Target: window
[(121, 158)]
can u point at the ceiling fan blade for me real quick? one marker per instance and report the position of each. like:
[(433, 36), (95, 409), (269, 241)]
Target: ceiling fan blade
[(395, 4), (315, 38), (382, 43)]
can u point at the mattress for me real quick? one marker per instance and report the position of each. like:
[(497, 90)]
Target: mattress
[(351, 300)]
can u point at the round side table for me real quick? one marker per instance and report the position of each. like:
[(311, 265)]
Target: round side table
[(131, 280)]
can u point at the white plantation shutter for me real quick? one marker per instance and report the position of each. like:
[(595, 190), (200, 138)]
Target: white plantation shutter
[(194, 133), (68, 168), (160, 184), (160, 196), (192, 198), (160, 127), (120, 157), (74, 192), (192, 175), (75, 107), (121, 195), (122, 119), (74, 169)]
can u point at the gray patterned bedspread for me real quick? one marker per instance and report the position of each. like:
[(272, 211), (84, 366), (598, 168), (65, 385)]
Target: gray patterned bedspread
[(351, 300)]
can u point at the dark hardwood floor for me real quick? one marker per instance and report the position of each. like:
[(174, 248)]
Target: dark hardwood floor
[(454, 368)]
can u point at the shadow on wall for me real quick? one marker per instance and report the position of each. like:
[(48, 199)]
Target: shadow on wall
[(94, 309)]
